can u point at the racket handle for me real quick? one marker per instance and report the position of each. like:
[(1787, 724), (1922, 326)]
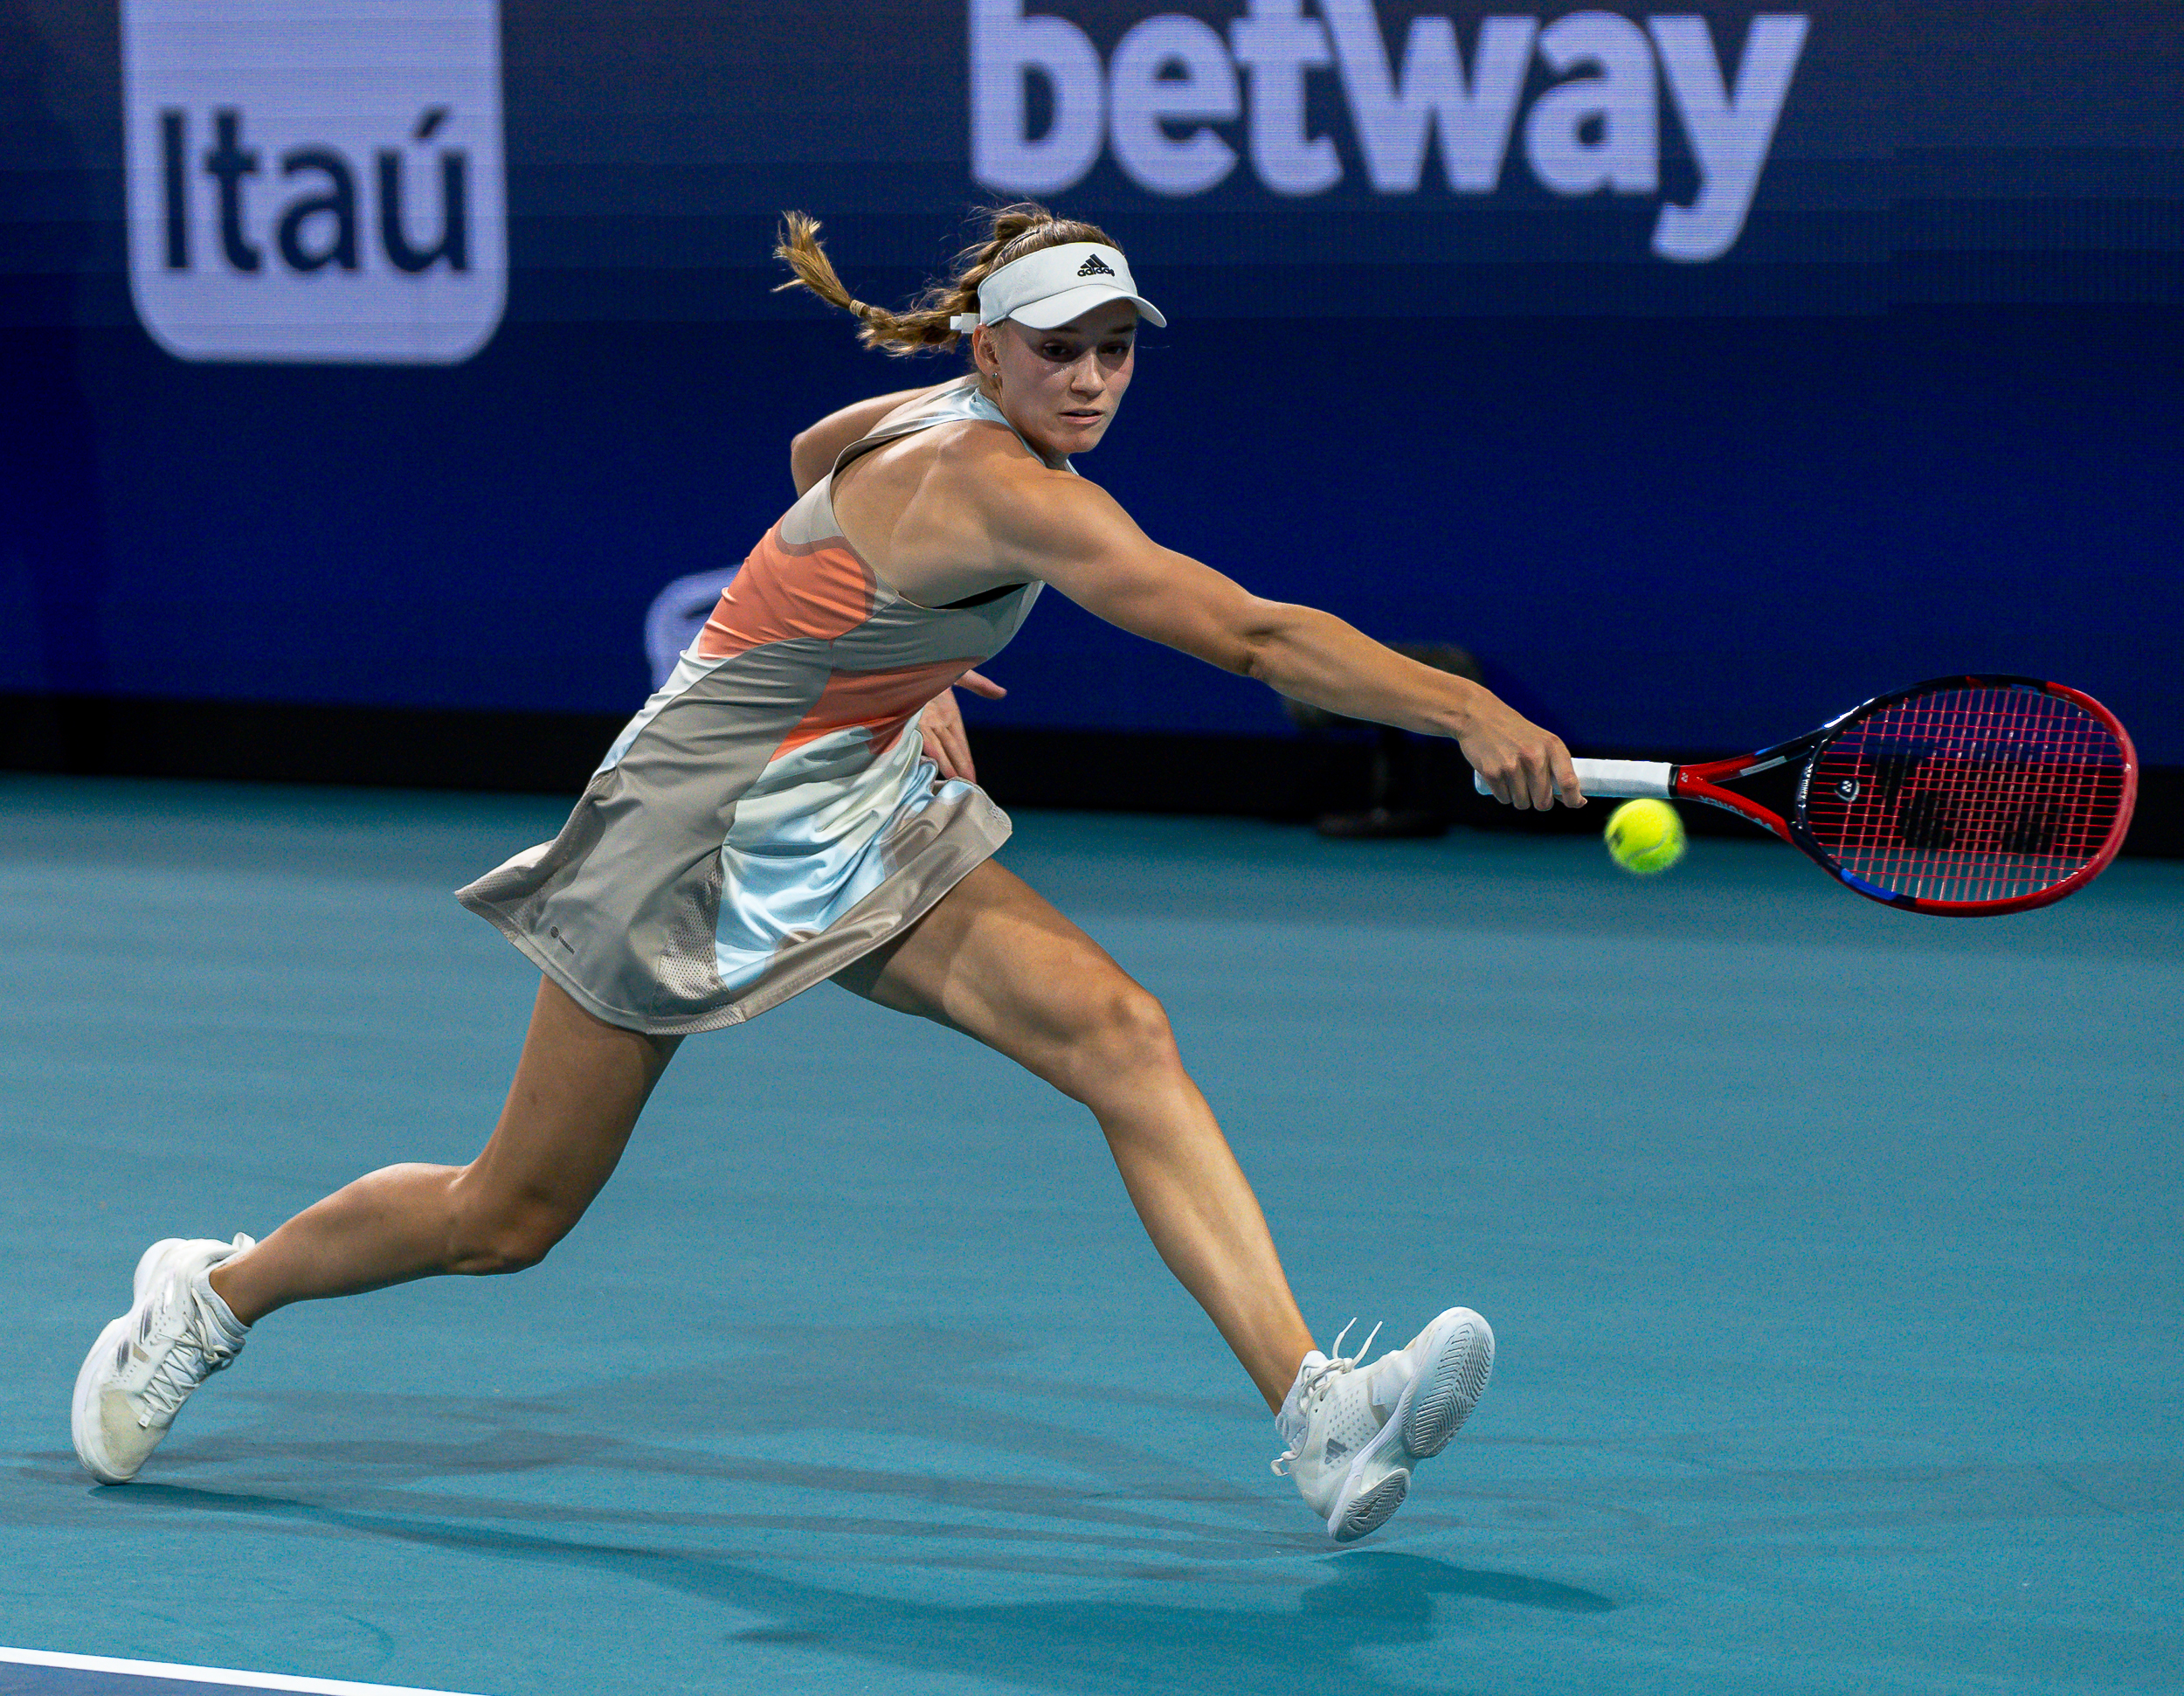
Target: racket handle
[(1615, 779)]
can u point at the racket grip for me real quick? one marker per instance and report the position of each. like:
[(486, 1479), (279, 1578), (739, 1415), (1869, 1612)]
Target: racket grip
[(1615, 779)]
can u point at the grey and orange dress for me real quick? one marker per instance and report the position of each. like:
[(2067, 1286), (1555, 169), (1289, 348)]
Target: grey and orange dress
[(770, 815)]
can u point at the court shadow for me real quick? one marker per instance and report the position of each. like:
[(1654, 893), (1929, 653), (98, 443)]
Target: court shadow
[(1135, 1566), (1389, 1583), (1324, 1611), (1019, 1492)]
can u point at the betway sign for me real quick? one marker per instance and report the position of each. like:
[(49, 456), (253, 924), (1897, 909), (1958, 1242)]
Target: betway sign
[(1172, 79)]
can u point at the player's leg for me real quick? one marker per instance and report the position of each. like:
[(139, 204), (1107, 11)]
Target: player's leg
[(995, 960), (579, 1087)]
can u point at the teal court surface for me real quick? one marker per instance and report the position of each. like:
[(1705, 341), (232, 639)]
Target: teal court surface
[(1833, 1254)]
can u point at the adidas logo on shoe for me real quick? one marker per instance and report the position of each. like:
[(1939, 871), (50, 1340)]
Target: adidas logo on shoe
[(1093, 266)]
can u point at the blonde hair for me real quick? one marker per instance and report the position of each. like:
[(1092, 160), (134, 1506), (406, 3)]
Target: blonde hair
[(1009, 232)]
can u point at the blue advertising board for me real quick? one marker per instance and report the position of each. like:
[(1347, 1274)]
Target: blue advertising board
[(1702, 371)]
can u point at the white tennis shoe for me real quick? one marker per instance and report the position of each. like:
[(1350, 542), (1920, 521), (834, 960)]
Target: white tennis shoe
[(176, 1333), (1355, 1433)]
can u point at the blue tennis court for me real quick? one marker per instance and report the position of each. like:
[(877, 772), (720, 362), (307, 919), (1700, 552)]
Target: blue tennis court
[(1832, 1254)]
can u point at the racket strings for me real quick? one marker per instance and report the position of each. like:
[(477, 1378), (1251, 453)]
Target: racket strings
[(1967, 794)]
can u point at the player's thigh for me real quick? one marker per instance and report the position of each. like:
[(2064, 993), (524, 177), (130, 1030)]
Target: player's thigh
[(996, 961), (578, 1089)]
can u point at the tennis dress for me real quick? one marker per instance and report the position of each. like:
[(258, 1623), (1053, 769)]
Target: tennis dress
[(770, 815)]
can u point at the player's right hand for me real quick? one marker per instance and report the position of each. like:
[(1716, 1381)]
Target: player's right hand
[(1523, 766)]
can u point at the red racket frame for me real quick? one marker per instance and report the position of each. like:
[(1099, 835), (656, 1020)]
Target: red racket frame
[(1702, 782)]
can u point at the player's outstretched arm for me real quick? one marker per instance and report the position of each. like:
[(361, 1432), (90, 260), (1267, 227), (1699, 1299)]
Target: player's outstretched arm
[(1072, 533)]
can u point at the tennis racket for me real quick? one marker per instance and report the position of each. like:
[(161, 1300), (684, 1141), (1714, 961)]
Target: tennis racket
[(1963, 796)]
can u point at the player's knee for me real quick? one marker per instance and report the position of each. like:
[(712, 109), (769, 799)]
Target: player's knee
[(1125, 1034), (506, 1233)]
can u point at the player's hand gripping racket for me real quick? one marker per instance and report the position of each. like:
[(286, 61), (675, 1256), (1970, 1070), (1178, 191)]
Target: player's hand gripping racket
[(1965, 796)]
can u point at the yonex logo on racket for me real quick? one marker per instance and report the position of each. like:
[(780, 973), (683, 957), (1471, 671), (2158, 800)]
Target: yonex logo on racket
[(297, 193), (1180, 104)]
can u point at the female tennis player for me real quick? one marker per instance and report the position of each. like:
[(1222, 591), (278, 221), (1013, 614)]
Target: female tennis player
[(796, 804)]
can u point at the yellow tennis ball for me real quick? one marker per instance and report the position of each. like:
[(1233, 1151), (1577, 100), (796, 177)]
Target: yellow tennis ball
[(1645, 836)]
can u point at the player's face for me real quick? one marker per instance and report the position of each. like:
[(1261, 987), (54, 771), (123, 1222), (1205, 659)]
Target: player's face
[(1061, 387)]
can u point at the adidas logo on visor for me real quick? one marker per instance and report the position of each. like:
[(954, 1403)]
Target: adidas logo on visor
[(1093, 266)]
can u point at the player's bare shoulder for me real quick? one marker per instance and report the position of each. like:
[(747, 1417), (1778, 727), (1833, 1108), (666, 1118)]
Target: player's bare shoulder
[(979, 481), (1043, 518), (945, 459)]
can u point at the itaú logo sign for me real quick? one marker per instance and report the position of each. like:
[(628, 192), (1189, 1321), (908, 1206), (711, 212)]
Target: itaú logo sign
[(1172, 79), (316, 180)]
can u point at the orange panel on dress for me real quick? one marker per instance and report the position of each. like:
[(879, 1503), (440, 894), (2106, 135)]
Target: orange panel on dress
[(783, 593), (881, 702)]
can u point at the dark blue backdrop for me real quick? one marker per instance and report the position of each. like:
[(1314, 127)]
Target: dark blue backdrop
[(1919, 417)]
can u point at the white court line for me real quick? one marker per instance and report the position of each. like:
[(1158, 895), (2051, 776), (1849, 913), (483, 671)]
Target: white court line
[(207, 1675)]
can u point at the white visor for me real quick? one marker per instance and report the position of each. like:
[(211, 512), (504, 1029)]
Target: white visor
[(1055, 285)]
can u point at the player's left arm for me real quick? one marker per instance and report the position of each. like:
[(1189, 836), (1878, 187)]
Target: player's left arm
[(813, 452)]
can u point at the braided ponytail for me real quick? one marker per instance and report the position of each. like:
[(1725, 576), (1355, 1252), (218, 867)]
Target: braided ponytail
[(1009, 233)]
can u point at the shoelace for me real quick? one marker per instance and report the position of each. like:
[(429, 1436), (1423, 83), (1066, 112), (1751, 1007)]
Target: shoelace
[(1316, 1385), (190, 1362)]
